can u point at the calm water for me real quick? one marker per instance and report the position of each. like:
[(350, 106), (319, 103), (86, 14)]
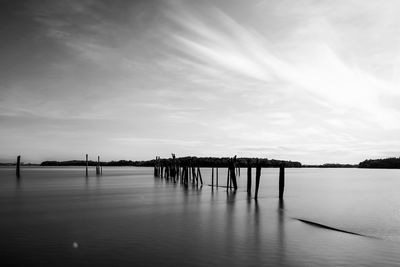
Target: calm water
[(126, 217)]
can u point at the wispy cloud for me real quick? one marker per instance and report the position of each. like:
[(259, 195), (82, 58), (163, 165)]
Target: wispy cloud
[(217, 40)]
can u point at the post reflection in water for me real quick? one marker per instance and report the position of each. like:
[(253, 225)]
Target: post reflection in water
[(257, 232), (281, 232), (230, 235)]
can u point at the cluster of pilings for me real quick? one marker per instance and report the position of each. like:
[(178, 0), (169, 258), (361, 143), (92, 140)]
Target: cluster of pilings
[(177, 171), (189, 172)]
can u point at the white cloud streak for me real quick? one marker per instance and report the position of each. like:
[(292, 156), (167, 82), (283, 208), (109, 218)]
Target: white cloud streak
[(220, 41)]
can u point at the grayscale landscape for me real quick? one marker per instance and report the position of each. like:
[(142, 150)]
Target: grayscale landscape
[(199, 133)]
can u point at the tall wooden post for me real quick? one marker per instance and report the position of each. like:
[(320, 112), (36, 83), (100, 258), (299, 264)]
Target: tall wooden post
[(181, 174), (227, 179), (281, 181), (217, 177), (249, 180), (258, 175), (18, 166), (87, 165), (98, 165), (199, 175), (186, 175), (212, 178), (233, 176)]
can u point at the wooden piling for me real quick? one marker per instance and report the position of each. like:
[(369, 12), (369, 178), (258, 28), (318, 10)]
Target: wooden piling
[(233, 176), (182, 175), (195, 179), (258, 175), (232, 173), (18, 173), (186, 175), (212, 178), (249, 180), (199, 175), (98, 165), (87, 165), (227, 180), (217, 177), (281, 181)]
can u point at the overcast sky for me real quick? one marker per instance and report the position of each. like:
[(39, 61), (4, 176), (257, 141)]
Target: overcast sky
[(311, 81)]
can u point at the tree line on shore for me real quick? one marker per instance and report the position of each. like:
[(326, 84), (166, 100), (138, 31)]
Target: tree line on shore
[(387, 163), (198, 161)]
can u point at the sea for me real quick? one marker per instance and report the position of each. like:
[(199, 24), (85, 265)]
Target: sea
[(55, 216)]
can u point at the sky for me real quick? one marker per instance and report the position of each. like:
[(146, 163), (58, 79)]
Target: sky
[(306, 80)]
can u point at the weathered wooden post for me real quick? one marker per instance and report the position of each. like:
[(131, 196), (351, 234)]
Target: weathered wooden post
[(281, 181), (212, 178), (227, 179), (199, 175), (249, 179), (217, 177), (195, 179), (173, 168), (187, 175), (182, 175), (155, 168), (232, 172), (18, 167), (98, 165), (233, 176), (258, 175), (87, 165)]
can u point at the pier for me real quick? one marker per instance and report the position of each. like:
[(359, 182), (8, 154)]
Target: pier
[(188, 171)]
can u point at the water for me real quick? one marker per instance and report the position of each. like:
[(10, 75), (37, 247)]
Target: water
[(126, 217)]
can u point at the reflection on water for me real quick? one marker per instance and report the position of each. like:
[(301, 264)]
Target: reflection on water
[(56, 216)]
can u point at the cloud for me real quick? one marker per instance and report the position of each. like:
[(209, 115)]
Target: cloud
[(217, 40)]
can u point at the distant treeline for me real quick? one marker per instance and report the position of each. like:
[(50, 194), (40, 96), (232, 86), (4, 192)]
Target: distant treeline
[(388, 163), (94, 163), (331, 165), (201, 162)]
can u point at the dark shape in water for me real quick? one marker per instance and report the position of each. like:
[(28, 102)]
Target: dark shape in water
[(248, 178), (331, 228), (258, 175), (18, 166), (281, 180)]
